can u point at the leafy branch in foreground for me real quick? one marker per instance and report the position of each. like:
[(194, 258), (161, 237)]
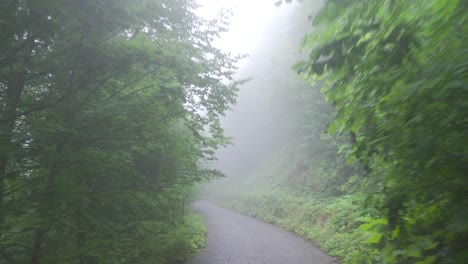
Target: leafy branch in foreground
[(396, 72)]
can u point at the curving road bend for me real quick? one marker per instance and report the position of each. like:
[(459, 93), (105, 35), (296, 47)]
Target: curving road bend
[(234, 238)]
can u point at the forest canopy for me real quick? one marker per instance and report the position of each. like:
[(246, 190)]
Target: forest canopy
[(109, 114)]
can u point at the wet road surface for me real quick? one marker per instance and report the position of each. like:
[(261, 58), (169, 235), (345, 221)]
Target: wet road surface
[(234, 238)]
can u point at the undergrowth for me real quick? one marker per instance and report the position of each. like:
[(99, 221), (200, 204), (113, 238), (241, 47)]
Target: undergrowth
[(332, 222), (171, 243)]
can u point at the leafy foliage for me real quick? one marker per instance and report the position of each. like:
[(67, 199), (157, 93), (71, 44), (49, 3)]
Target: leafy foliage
[(109, 113), (396, 72)]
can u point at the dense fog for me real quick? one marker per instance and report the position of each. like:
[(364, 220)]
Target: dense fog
[(268, 106)]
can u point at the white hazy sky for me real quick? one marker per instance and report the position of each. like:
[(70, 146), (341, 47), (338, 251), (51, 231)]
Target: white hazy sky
[(250, 19)]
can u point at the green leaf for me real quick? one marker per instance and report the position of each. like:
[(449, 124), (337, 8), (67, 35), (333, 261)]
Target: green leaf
[(374, 239)]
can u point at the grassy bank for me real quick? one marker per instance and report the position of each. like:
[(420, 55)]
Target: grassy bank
[(170, 243), (332, 223), (271, 194)]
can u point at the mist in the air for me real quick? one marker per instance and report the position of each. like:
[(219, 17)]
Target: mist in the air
[(268, 106)]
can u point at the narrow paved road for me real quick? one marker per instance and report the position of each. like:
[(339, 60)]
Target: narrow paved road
[(234, 238)]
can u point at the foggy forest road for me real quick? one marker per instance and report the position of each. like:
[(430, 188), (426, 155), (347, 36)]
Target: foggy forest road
[(234, 238)]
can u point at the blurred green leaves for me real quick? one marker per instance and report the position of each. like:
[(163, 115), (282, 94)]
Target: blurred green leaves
[(396, 72)]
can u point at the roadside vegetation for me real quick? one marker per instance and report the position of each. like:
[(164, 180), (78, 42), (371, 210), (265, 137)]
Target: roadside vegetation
[(108, 116), (387, 182)]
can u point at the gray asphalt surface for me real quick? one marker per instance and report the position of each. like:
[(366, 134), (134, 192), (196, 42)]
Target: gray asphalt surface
[(234, 238)]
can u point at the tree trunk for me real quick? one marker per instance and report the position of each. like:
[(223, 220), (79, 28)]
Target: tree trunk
[(37, 246), (49, 196)]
